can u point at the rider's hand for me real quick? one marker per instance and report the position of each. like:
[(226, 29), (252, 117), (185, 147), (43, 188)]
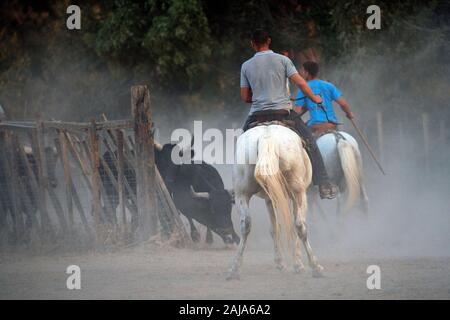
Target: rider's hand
[(350, 115), (317, 99)]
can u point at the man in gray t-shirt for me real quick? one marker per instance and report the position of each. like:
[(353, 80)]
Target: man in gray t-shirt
[(264, 84), (267, 75)]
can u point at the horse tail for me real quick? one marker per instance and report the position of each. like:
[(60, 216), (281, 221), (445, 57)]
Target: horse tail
[(352, 168), (271, 179)]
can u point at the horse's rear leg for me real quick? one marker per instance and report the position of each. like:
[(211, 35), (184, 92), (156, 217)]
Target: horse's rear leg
[(242, 203), (298, 263), (300, 225), (275, 233)]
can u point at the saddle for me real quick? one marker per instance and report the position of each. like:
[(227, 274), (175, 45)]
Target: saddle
[(275, 117), (270, 117), (285, 123), (334, 132), (323, 128)]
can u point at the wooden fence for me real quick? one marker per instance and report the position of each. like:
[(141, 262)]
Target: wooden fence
[(97, 200)]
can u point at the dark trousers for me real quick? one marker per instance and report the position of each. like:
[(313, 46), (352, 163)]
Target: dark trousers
[(319, 174)]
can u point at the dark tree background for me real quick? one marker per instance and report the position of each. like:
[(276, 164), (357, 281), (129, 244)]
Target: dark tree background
[(189, 52)]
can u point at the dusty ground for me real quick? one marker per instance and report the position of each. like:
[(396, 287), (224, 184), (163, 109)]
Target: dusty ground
[(151, 272)]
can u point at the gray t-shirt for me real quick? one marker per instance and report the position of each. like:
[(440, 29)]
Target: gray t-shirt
[(266, 74)]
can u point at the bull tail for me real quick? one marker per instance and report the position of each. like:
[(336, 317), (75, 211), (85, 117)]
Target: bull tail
[(352, 168), (271, 179)]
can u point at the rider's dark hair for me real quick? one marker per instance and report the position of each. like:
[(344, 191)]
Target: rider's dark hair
[(260, 36), (311, 67)]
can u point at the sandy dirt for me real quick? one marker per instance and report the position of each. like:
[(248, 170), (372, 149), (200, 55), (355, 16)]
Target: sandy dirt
[(153, 272)]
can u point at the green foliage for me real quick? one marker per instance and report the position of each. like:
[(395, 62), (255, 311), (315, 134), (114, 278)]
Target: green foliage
[(190, 51), (171, 35)]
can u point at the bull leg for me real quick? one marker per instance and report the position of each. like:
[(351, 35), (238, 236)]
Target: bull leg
[(275, 233), (195, 235), (298, 263), (242, 203), (301, 228), (209, 236)]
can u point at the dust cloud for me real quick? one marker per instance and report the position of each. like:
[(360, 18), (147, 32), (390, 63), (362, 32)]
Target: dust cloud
[(409, 207)]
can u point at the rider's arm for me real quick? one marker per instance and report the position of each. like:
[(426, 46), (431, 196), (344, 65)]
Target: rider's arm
[(345, 107), (304, 87), (246, 94)]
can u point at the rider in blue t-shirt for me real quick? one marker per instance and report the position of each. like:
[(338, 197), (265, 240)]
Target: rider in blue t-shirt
[(322, 117)]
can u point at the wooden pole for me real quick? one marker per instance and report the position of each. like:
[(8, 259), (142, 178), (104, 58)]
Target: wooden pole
[(366, 143), (14, 189), (38, 147), (67, 177), (95, 179), (426, 140), (74, 194), (107, 209), (145, 159), (121, 177), (442, 132), (43, 163), (380, 136), (76, 154), (30, 187), (170, 210), (128, 153), (128, 187)]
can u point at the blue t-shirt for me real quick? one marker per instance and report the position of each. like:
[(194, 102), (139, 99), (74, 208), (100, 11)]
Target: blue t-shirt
[(329, 93)]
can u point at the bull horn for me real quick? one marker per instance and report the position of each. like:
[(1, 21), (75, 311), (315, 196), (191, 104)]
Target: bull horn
[(157, 145), (199, 195), (27, 149)]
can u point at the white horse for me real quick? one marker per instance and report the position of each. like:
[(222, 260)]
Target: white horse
[(343, 162), (272, 164)]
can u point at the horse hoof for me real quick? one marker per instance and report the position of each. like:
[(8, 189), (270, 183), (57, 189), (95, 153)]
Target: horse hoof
[(317, 271), (233, 276), (281, 267), (195, 237), (299, 269)]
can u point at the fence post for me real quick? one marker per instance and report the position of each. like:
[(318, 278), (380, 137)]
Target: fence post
[(121, 178), (38, 145), (67, 177), (426, 140), (95, 179), (13, 179), (76, 199), (380, 136), (145, 160)]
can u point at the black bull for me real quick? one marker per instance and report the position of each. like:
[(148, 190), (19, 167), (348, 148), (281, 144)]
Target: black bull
[(197, 190)]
